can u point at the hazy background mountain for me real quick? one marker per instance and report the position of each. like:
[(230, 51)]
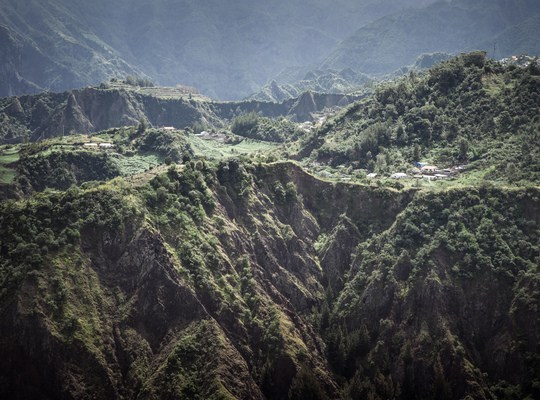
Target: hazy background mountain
[(53, 45), (323, 81), (517, 39), (501, 27), (231, 49), (226, 49), (292, 82)]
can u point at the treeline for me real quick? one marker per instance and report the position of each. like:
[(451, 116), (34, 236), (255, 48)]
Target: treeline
[(36, 229), (136, 81), (168, 144)]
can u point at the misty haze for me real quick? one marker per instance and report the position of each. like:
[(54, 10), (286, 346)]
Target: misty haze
[(269, 199)]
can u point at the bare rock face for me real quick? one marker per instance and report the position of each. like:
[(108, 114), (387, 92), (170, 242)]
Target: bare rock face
[(92, 109), (74, 119)]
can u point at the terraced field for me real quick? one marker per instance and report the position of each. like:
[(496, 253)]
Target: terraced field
[(8, 156), (213, 149)]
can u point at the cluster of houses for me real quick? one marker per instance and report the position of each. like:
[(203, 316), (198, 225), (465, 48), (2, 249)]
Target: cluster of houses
[(210, 135), (424, 171), (522, 61)]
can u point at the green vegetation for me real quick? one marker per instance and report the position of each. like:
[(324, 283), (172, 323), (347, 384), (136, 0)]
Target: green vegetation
[(256, 127), (479, 241), (215, 149), (138, 81), (36, 230), (468, 110), (167, 264), (9, 155), (137, 164), (63, 162), (237, 237), (60, 170), (172, 144)]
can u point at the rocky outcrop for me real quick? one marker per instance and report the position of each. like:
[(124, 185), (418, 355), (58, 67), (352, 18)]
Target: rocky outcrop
[(310, 103)]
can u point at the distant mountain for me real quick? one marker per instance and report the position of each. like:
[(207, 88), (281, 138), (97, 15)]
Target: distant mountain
[(324, 81), (523, 38), (45, 46), (225, 49), (446, 26), (346, 81)]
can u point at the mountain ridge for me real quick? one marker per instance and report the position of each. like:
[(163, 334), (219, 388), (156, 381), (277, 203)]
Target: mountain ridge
[(94, 109), (446, 26), (85, 43)]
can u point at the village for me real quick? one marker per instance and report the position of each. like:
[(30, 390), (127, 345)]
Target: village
[(425, 171), (418, 172)]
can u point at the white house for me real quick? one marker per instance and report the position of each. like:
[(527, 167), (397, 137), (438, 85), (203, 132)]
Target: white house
[(429, 168), (399, 175)]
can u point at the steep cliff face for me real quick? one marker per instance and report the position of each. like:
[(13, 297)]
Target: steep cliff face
[(432, 305), (248, 282), (135, 308), (91, 109)]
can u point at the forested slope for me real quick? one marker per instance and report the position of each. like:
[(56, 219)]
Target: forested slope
[(468, 110), (261, 281)]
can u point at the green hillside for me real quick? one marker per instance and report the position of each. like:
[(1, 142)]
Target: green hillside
[(465, 111), (260, 281), (153, 262)]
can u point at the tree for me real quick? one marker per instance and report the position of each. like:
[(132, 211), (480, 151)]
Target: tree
[(463, 149), (305, 386), (245, 124), (416, 152), (511, 171), (142, 126)]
